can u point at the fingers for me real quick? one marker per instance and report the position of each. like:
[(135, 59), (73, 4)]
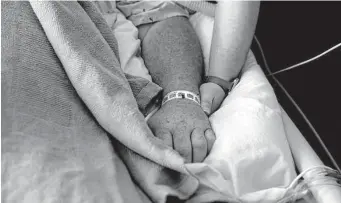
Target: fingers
[(206, 100), (159, 152), (206, 103), (206, 106), (182, 144), (217, 100), (212, 96), (162, 149), (199, 145), (210, 138)]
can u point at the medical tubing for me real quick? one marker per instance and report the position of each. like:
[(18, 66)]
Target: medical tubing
[(319, 176), (296, 106)]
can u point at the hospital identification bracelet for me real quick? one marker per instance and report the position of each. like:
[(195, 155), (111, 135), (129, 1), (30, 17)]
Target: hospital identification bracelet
[(181, 94)]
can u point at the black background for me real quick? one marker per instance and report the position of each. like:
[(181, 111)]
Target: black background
[(291, 32)]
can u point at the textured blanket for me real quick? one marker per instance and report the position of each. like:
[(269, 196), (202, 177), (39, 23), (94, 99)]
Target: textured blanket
[(73, 128)]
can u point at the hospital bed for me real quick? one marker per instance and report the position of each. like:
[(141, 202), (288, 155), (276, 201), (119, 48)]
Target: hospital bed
[(305, 160), (255, 157)]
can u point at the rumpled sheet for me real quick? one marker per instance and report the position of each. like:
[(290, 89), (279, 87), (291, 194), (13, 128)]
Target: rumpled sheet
[(72, 130), (127, 40), (251, 159), (71, 126)]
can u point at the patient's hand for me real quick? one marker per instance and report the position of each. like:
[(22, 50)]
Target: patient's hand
[(182, 124)]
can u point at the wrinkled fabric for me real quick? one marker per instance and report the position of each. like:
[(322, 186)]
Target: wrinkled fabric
[(251, 159), (127, 40), (64, 100), (144, 12)]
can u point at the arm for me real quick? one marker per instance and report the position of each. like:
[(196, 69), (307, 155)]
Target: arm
[(172, 54), (234, 27)]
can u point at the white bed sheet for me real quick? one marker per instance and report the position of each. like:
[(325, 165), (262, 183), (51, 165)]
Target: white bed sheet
[(251, 160), (257, 144)]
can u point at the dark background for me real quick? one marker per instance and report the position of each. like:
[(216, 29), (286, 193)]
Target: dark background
[(291, 32)]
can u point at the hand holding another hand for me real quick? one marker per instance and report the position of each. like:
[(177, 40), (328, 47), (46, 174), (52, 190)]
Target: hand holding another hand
[(212, 95), (183, 125)]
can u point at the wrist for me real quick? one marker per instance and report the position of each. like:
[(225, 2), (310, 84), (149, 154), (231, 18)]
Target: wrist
[(181, 95), (191, 87), (227, 73), (226, 85)]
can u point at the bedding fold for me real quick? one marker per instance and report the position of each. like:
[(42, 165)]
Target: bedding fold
[(66, 99), (73, 127)]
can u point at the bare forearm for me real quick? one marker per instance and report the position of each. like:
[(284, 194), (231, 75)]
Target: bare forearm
[(235, 23), (172, 54)]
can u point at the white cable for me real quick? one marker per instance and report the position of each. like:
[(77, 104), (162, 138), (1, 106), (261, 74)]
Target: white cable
[(307, 61), (316, 171), (305, 172), (296, 105)]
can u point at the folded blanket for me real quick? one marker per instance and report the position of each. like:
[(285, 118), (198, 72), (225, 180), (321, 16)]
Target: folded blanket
[(64, 98)]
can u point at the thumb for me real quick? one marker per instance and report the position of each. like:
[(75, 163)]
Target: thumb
[(206, 105), (206, 101)]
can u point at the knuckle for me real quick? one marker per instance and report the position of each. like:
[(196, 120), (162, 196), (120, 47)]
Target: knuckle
[(185, 151), (199, 140), (183, 145), (210, 135)]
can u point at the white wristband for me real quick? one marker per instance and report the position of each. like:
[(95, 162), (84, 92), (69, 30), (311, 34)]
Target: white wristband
[(181, 94)]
